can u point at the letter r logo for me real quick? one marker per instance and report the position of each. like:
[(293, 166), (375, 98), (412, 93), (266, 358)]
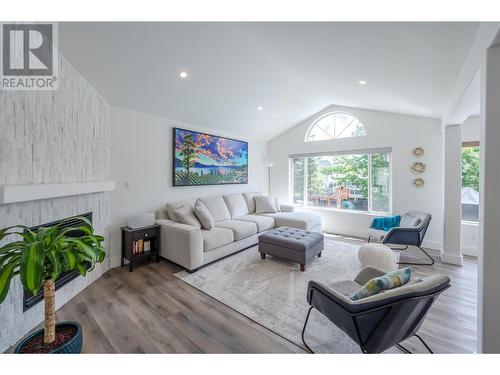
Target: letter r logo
[(27, 50)]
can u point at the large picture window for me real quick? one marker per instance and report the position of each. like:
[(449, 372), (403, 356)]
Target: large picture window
[(359, 181)]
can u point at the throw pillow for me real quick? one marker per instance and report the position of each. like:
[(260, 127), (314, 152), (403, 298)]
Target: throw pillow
[(277, 204), (173, 206), (203, 215), (185, 215), (264, 204), (388, 281)]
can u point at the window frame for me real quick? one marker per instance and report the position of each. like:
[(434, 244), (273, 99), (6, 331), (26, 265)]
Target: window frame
[(370, 210), (331, 113)]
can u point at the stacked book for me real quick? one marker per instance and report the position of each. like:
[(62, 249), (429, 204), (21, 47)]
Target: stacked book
[(140, 246)]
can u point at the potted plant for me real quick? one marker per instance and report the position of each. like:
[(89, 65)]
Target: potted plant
[(39, 257)]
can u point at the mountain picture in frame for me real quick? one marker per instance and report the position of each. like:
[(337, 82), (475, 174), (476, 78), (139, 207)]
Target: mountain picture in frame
[(205, 159)]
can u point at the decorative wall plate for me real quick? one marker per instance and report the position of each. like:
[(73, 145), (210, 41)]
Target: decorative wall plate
[(419, 182), (419, 151), (418, 167)]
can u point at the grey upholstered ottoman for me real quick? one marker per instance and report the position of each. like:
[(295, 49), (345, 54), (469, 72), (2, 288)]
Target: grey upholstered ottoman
[(297, 245)]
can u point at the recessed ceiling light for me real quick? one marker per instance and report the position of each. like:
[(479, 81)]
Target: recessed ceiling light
[(183, 74), (362, 83), (260, 108)]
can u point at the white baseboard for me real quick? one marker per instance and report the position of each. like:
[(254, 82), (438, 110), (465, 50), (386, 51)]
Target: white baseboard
[(470, 251), (452, 258), (433, 245)]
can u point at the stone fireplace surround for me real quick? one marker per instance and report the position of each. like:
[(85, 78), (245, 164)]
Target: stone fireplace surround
[(48, 138)]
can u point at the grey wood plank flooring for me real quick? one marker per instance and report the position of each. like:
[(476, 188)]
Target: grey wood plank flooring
[(152, 311)]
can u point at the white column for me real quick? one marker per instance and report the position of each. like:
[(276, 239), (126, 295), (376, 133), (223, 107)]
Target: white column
[(452, 194), (489, 207)]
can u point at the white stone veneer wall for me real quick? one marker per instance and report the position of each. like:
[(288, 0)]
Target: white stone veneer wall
[(52, 137)]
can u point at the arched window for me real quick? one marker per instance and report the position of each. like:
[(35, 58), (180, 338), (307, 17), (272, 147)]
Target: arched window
[(335, 125)]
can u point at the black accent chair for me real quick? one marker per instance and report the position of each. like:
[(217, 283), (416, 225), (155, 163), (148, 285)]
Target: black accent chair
[(411, 232), (378, 322)]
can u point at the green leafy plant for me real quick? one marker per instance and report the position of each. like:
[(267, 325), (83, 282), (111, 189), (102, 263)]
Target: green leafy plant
[(40, 256)]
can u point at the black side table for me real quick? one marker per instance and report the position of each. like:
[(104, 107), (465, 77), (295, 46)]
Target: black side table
[(151, 234)]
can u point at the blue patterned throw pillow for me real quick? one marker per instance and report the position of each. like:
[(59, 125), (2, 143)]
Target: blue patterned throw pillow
[(388, 281)]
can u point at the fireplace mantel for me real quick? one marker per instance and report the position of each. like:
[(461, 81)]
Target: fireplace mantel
[(23, 193)]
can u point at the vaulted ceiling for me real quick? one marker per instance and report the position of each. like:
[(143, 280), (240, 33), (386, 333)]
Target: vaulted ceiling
[(292, 70)]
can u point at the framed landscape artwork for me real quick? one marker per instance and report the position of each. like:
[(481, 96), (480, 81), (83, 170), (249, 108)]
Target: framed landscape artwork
[(205, 159)]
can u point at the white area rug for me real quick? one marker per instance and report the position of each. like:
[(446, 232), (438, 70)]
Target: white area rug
[(273, 291)]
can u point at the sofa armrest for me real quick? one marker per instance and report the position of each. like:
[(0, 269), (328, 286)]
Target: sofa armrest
[(287, 208), (181, 243)]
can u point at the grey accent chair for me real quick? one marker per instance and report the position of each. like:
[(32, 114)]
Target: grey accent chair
[(411, 232), (378, 322)]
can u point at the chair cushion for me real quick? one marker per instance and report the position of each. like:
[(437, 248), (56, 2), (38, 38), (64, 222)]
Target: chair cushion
[(263, 222), (217, 208), (388, 281), (413, 219), (203, 215), (241, 229), (215, 238), (173, 206), (300, 220), (249, 199), (264, 204), (345, 287), (236, 205), (376, 234), (185, 215)]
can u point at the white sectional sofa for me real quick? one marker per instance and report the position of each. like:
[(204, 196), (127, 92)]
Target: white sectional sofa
[(237, 227)]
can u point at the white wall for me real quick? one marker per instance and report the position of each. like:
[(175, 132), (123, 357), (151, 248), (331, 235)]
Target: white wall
[(141, 154), (50, 137), (470, 129), (402, 133), (452, 152)]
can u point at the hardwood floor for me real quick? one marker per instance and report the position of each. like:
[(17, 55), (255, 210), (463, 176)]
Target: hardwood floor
[(152, 311), (450, 326)]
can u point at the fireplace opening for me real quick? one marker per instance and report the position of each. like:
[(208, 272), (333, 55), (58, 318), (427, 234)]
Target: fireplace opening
[(30, 300)]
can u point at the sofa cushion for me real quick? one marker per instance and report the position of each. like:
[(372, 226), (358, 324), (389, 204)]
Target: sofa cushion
[(300, 220), (241, 229), (236, 205), (263, 222), (173, 206), (217, 208), (205, 218), (250, 199), (217, 237), (264, 204), (185, 215)]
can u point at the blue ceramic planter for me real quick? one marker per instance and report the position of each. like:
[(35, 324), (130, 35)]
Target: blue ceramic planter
[(73, 346)]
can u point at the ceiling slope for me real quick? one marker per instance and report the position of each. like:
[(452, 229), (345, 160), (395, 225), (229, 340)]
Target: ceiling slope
[(292, 70)]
